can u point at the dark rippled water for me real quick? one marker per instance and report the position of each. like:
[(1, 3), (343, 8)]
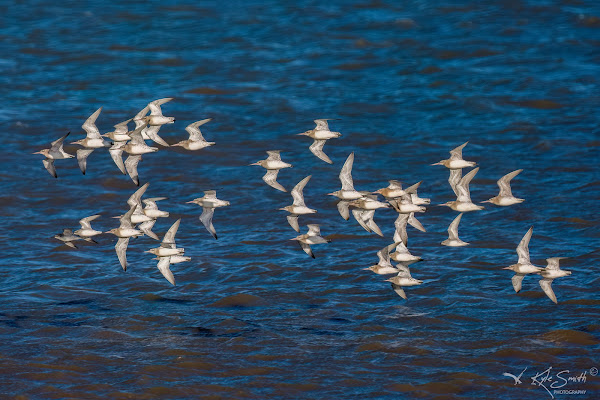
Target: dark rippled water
[(252, 316)]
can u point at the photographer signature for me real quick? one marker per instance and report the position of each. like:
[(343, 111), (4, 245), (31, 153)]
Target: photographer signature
[(549, 380)]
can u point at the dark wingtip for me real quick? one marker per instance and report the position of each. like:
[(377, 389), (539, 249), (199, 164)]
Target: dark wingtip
[(215, 236), (312, 255)]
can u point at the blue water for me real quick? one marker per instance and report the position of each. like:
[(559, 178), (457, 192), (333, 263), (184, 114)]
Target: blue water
[(252, 316)]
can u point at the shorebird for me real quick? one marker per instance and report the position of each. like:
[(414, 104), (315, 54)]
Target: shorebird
[(124, 232), (273, 164), (384, 265), (403, 279), (120, 137), (196, 140), (298, 207), (55, 152), (67, 237), (166, 251), (551, 272), (86, 231), (208, 203), (523, 265), (505, 197), (167, 246), (92, 141), (403, 256), (463, 201), (453, 240), (135, 148), (394, 190), (456, 161), (320, 134), (313, 236), (155, 120)]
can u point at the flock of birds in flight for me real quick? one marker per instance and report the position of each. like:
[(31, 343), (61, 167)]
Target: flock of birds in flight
[(140, 218)]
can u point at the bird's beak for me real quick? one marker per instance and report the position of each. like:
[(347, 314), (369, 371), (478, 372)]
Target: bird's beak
[(37, 152), (506, 268), (438, 163), (366, 269), (256, 163), (189, 202), (485, 201)]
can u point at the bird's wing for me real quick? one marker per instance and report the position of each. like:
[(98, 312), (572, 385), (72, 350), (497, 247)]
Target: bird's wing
[(454, 179), (125, 220), (517, 281), (90, 125), (169, 238), (136, 134), (49, 165), (358, 216), (297, 191), (270, 179), (456, 154), (317, 149), (195, 134), (210, 195), (553, 263), (307, 249), (293, 221), (163, 266), (274, 155), (121, 248), (546, 285), (346, 173), (131, 166), (146, 227), (342, 207), (152, 132), (413, 189), (121, 127), (136, 198), (321, 125), (453, 228), (415, 223), (464, 195), (504, 183), (399, 291), (368, 218), (116, 153), (395, 184), (313, 230), (523, 248), (57, 145), (85, 222), (206, 219), (82, 155)]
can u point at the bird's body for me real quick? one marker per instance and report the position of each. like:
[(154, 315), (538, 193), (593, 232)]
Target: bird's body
[(55, 152), (463, 201), (456, 161)]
